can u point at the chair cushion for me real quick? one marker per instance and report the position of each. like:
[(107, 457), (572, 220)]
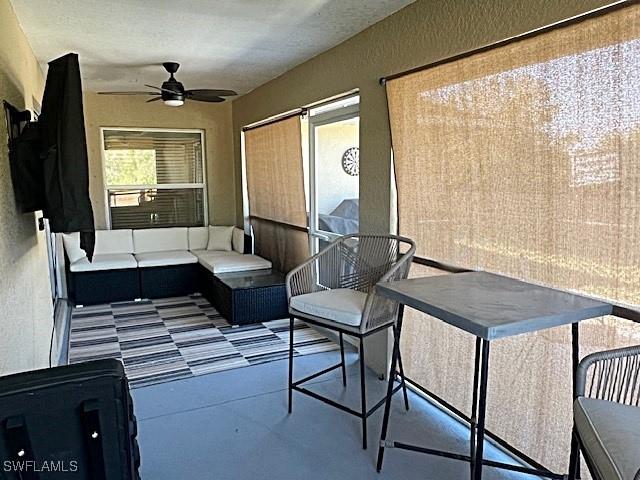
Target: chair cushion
[(160, 239), (342, 305), (198, 238), (113, 242), (220, 238), (233, 262), (162, 259), (610, 433), (237, 240), (108, 261)]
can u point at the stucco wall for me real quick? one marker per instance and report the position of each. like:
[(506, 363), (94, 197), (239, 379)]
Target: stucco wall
[(128, 111), (26, 311), (334, 184)]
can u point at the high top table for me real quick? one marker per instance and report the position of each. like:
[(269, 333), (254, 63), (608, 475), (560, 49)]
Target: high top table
[(490, 307)]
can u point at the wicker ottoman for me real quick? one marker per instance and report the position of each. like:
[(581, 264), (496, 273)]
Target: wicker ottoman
[(250, 297)]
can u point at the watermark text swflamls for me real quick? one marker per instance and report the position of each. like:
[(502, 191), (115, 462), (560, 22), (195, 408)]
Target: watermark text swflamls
[(44, 466)]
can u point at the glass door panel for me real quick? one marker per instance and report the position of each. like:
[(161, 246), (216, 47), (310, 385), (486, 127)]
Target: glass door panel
[(334, 182)]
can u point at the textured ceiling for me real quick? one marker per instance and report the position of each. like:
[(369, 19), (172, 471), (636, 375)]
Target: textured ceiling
[(236, 44)]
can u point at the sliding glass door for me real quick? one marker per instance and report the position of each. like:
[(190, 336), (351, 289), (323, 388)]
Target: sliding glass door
[(333, 171)]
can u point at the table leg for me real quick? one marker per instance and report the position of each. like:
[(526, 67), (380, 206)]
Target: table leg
[(474, 404), (392, 374), (482, 408), (574, 457), (402, 379)]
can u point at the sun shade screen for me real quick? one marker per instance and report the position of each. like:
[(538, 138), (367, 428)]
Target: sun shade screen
[(525, 160), (154, 178), (275, 185)]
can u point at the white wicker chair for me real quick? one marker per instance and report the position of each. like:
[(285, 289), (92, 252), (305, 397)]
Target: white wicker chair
[(336, 290), (606, 415)]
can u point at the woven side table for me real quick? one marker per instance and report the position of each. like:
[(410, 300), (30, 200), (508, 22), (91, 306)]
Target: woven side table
[(250, 297)]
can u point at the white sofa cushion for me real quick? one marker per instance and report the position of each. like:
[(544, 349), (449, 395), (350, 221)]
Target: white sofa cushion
[(110, 242), (162, 259), (198, 238), (220, 238), (71, 243), (237, 240), (233, 262), (106, 261), (160, 239), (342, 305), (207, 254)]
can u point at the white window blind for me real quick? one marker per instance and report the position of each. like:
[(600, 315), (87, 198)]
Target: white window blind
[(154, 178), (525, 160)]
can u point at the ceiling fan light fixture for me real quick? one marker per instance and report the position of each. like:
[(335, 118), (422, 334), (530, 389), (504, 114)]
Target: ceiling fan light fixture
[(172, 97), (174, 102)]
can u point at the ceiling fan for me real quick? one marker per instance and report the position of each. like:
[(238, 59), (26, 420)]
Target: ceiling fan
[(173, 93)]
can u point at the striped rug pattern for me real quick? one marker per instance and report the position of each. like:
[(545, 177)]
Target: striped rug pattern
[(174, 338)]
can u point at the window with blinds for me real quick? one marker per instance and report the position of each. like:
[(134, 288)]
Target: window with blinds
[(154, 178), (524, 160)]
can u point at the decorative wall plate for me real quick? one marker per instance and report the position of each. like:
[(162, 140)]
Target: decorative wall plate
[(351, 161)]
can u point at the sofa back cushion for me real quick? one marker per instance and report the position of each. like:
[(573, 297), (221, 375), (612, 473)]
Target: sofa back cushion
[(237, 240), (71, 243), (220, 238), (160, 239), (110, 242), (198, 238)]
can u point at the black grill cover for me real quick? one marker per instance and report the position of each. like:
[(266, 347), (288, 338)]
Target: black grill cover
[(66, 166)]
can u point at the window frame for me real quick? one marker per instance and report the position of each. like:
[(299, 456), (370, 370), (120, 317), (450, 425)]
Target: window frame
[(160, 186), (325, 117)]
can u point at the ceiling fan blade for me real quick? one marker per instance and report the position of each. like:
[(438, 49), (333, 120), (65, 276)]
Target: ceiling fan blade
[(128, 93), (211, 92), (154, 99), (161, 89), (211, 98)]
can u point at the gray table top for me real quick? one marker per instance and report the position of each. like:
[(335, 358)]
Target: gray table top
[(492, 306)]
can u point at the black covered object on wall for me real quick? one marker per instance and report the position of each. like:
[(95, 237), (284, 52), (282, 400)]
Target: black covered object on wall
[(64, 153), (49, 162), (24, 159)]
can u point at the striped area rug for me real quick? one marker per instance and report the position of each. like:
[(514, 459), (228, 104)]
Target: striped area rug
[(174, 338)]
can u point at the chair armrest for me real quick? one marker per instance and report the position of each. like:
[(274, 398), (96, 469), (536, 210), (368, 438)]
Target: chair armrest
[(304, 278), (616, 373), (379, 310)]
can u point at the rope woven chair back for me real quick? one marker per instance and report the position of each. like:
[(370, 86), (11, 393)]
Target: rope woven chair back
[(612, 375), (359, 262)]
